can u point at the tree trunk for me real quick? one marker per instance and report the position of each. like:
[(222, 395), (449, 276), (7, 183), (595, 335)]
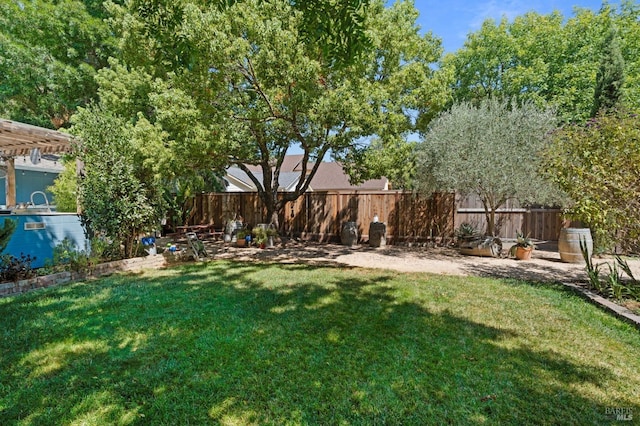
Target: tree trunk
[(491, 223), (272, 204), (490, 216)]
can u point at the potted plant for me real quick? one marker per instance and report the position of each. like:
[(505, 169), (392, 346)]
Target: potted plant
[(467, 232), (264, 235), (471, 242), (523, 247), (242, 235)]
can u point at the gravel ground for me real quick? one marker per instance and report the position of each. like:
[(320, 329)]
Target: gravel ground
[(545, 264)]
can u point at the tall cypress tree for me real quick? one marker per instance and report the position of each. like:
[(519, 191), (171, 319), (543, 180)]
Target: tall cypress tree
[(610, 77)]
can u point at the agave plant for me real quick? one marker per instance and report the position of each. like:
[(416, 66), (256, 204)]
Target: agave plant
[(523, 247)]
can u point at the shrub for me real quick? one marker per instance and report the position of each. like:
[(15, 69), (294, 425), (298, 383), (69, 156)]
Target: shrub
[(597, 165), (16, 268), (6, 232), (612, 285)]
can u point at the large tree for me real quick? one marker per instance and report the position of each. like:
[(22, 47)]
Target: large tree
[(49, 54), (547, 59), (490, 150), (245, 83)]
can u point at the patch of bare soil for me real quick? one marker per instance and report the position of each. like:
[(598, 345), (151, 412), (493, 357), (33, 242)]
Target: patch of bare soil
[(545, 264)]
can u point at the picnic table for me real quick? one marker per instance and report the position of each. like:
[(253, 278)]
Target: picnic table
[(203, 231)]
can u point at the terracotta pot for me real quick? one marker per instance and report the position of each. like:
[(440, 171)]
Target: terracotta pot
[(523, 253)]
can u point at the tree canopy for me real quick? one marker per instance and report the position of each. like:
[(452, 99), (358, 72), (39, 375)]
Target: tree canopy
[(598, 164), (243, 84), (491, 150), (49, 54), (547, 59)]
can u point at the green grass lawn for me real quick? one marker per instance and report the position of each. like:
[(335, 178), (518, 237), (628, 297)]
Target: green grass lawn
[(243, 343)]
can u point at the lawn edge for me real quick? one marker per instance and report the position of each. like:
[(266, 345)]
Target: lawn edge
[(136, 264), (619, 311)]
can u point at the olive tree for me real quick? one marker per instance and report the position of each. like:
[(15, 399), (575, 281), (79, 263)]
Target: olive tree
[(490, 150)]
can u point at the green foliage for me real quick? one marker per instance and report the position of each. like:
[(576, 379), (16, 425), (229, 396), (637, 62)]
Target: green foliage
[(337, 29), (7, 230), (547, 59), (239, 84), (242, 232), (67, 256), (394, 160), (610, 77), (593, 270), (104, 249), (49, 54), (467, 230), (614, 285), (119, 191), (65, 188), (14, 268), (597, 165), (521, 241), (262, 234), (491, 151)]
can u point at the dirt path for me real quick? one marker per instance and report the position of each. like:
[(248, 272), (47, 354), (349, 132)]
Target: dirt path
[(545, 264)]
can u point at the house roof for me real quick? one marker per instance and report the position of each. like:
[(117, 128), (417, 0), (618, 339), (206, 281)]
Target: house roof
[(19, 139), (286, 182), (330, 176), (239, 178)]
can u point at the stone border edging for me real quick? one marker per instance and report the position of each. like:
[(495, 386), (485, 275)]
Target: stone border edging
[(126, 265), (617, 310)]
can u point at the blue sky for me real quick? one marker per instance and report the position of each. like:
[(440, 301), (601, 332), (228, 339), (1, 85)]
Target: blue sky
[(452, 20)]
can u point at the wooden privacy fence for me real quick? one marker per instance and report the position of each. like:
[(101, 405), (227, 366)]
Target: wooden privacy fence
[(409, 217), (540, 224)]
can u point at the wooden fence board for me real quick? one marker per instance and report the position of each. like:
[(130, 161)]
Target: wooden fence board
[(409, 217)]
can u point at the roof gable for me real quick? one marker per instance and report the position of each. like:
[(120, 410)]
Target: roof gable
[(329, 176)]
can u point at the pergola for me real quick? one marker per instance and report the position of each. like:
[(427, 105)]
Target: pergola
[(18, 139)]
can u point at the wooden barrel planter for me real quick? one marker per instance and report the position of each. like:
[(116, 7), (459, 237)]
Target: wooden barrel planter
[(569, 244)]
